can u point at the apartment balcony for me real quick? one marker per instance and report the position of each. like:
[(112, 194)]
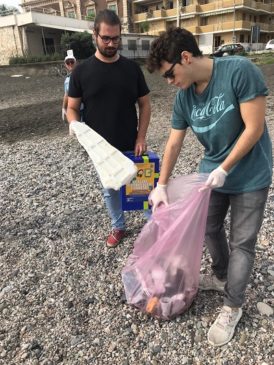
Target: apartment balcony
[(157, 14), (229, 4), (165, 13), (194, 29), (153, 15), (219, 6), (171, 13), (142, 17), (193, 8), (237, 25), (259, 6), (156, 31)]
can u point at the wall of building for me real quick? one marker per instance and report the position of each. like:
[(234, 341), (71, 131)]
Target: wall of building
[(205, 42), (10, 44)]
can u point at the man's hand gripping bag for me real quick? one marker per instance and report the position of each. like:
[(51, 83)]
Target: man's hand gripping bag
[(161, 276)]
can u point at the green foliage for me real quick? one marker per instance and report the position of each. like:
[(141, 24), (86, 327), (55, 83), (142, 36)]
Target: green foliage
[(265, 58), (7, 10), (144, 27), (90, 17), (243, 53), (80, 42), (19, 60)]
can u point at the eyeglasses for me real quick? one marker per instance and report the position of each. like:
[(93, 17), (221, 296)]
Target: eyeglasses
[(106, 39), (169, 74), (70, 62)]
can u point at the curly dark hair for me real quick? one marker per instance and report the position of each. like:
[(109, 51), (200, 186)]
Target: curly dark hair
[(169, 46), (106, 16)]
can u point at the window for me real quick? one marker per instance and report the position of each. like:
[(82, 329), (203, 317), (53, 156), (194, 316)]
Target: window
[(145, 45), (242, 38), (204, 21), (217, 41), (132, 45), (71, 14), (91, 12), (113, 7)]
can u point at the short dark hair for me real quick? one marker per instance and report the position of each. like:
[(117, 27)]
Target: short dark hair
[(106, 16), (169, 46)]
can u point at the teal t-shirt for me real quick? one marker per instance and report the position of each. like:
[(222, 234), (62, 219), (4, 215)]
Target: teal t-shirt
[(215, 118)]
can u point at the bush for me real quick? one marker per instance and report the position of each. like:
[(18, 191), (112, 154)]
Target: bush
[(80, 42), (19, 60)]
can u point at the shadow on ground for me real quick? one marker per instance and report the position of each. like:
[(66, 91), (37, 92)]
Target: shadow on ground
[(32, 121)]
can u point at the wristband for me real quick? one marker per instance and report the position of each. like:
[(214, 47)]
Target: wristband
[(161, 185)]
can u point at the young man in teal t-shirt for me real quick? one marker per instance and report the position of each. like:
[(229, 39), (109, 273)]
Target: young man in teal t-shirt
[(223, 101)]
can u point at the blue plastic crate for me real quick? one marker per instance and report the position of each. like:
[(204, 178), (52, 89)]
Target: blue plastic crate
[(134, 196)]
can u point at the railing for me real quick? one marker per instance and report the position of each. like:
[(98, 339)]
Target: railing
[(171, 12), (239, 24), (138, 52), (140, 17), (9, 12), (51, 11), (202, 9), (159, 13), (224, 4)]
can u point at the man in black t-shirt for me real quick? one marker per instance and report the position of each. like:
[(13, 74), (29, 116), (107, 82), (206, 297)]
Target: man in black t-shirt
[(109, 85)]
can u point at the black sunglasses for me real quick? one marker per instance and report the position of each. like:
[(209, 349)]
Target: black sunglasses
[(106, 39), (169, 74), (70, 62)]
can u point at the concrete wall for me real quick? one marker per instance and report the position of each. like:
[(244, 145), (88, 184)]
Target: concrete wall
[(10, 44), (43, 68)]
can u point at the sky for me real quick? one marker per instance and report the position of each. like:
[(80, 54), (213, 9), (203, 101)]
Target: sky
[(11, 2)]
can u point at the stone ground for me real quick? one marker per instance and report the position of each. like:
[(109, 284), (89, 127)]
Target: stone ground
[(61, 295)]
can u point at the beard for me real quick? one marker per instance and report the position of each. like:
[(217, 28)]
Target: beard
[(108, 52)]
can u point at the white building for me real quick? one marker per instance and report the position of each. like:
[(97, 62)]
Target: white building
[(34, 33)]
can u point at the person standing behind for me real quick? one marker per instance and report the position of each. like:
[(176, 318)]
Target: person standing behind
[(70, 63), (109, 85), (223, 101)]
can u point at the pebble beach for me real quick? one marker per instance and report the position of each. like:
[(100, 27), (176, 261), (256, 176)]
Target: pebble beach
[(61, 295)]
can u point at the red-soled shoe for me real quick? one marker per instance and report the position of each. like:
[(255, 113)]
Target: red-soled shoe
[(116, 235)]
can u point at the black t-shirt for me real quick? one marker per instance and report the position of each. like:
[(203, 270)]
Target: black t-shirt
[(109, 92)]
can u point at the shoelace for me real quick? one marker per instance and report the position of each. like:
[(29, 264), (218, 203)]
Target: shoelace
[(224, 318)]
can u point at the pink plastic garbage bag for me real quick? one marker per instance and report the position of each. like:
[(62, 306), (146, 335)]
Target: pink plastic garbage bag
[(161, 276)]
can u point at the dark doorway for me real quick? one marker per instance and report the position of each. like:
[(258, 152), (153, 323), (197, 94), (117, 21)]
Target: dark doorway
[(48, 46)]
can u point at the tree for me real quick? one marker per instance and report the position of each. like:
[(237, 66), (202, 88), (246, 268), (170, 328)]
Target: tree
[(80, 42), (7, 10)]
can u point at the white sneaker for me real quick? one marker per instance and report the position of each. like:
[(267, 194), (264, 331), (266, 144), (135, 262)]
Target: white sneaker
[(211, 282), (222, 330)]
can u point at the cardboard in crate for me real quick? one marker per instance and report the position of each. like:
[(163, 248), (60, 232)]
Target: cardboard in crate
[(134, 196)]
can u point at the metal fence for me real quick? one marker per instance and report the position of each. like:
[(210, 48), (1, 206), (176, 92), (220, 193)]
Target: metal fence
[(135, 53), (125, 50)]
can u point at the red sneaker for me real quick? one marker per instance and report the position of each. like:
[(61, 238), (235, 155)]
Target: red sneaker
[(116, 235)]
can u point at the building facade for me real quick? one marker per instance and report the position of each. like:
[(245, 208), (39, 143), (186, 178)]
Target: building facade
[(38, 32), (39, 28), (213, 22), (81, 9)]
